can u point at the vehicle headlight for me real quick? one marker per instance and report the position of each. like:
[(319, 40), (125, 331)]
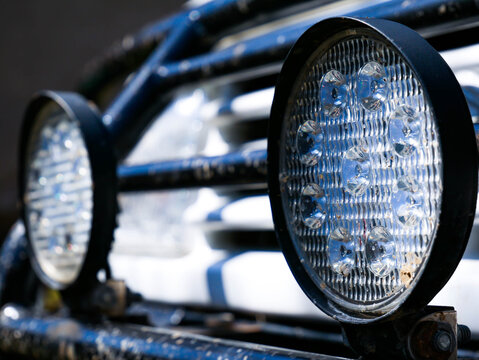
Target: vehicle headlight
[(67, 185), (372, 168)]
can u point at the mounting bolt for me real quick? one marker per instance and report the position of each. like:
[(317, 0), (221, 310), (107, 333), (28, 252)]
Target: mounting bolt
[(443, 341)]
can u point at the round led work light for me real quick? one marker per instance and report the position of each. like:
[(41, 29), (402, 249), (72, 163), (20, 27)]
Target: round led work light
[(372, 168), (67, 177)]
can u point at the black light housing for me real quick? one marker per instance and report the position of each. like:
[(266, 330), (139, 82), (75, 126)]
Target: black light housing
[(458, 175), (63, 205)]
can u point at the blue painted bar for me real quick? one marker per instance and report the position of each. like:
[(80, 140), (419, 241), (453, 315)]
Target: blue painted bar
[(159, 75), (56, 337), (241, 168), (123, 116)]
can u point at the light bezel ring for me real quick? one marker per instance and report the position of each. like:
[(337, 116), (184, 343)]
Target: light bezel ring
[(459, 151), (104, 182)]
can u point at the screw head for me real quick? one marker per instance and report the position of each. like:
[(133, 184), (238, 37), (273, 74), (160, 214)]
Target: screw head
[(443, 341)]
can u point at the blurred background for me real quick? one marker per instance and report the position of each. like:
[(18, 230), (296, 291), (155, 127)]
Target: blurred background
[(47, 45)]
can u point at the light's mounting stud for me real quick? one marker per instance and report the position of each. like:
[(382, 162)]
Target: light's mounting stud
[(455, 194), (102, 163)]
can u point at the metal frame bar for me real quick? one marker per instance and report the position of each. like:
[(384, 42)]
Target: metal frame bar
[(241, 168), (143, 89), (53, 337), (164, 69), (13, 262)]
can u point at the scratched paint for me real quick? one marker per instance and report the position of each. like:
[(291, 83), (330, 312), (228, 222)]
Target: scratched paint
[(53, 337)]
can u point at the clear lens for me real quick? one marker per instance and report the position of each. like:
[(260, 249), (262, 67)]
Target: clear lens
[(372, 86), (408, 201), (313, 206), (356, 170), (341, 251), (404, 130), (381, 251), (308, 142), (58, 195), (361, 174), (334, 93)]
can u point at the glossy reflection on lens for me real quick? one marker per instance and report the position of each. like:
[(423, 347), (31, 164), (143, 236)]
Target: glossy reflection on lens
[(408, 201), (355, 170), (313, 206), (334, 93), (309, 142), (372, 86), (380, 251), (404, 130), (341, 251)]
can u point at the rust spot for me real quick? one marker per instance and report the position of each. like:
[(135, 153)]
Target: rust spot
[(408, 270), (405, 276), (65, 329), (413, 259)]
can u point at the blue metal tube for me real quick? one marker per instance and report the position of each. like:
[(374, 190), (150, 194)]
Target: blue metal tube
[(159, 28), (472, 97), (159, 74), (242, 168), (231, 169), (139, 92), (476, 130), (13, 258), (142, 90), (55, 337)]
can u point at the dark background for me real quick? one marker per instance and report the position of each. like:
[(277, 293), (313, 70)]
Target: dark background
[(46, 45)]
